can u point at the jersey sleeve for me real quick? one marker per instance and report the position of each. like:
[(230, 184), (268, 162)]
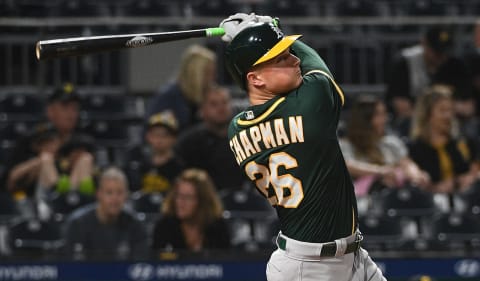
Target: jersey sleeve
[(315, 72), (310, 60)]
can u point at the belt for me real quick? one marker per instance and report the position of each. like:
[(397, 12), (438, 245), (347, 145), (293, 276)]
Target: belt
[(311, 250)]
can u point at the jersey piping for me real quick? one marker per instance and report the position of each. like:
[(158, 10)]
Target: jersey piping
[(339, 90), (263, 116)]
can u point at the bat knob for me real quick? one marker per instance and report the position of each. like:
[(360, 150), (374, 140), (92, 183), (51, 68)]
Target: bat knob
[(38, 49)]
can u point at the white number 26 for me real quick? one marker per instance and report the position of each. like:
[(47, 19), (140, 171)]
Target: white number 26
[(263, 176)]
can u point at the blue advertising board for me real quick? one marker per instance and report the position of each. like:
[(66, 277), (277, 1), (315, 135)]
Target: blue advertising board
[(454, 269)]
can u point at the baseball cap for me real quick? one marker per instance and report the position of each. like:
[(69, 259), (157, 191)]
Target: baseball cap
[(439, 38), (164, 119), (65, 93)]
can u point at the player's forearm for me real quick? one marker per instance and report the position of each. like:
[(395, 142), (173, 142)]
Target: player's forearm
[(310, 60)]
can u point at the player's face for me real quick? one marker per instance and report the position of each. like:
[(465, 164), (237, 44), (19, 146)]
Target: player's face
[(379, 118), (186, 200), (111, 197), (441, 116), (216, 109), (280, 74)]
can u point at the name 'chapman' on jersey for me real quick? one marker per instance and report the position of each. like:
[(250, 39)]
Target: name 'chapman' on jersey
[(266, 135)]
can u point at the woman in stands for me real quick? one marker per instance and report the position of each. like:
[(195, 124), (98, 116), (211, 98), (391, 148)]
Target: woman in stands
[(449, 158), (374, 157), (191, 216)]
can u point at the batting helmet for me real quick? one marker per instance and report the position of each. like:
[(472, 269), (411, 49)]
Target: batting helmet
[(253, 45)]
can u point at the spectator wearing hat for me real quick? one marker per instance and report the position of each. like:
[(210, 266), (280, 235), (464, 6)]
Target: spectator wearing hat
[(32, 167), (417, 67), (152, 166), (63, 110)]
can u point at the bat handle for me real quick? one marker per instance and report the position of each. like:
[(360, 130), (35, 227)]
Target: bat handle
[(214, 31)]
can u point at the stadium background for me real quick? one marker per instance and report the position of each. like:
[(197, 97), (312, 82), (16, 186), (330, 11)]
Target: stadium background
[(358, 38)]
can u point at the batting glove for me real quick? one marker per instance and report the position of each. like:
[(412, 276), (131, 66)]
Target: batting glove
[(239, 21)]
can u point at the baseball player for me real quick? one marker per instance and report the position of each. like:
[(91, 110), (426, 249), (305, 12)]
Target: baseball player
[(286, 143)]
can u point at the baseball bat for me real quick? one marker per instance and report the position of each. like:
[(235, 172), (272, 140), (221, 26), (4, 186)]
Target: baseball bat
[(77, 46)]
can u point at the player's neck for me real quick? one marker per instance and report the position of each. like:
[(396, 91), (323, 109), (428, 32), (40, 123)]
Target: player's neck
[(257, 97)]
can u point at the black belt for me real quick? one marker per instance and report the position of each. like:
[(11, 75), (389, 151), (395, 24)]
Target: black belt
[(329, 249)]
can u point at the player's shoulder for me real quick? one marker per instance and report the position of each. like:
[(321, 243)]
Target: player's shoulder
[(233, 126), (318, 75), (321, 80)]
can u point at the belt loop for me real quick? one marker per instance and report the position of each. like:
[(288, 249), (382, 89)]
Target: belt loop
[(341, 247)]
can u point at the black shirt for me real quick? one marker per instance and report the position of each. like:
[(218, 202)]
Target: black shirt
[(167, 234)]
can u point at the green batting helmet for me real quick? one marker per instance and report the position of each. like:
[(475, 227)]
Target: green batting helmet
[(253, 45)]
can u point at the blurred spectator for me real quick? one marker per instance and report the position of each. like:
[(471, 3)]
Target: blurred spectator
[(75, 166), (418, 67), (449, 159), (35, 164), (106, 230), (472, 59), (468, 110), (206, 147), (153, 166), (182, 96), (29, 171), (192, 216), (375, 157), (63, 110)]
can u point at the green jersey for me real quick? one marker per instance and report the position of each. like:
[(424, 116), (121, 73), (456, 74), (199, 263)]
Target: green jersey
[(288, 147)]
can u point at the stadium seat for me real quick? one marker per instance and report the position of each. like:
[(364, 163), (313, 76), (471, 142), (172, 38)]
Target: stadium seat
[(213, 7), (426, 8), (22, 106), (456, 231), (382, 233), (30, 238), (104, 107), (356, 8), (146, 202), (5, 151), (66, 203), (286, 8), (7, 206), (244, 200), (108, 133), (406, 201), (10, 131), (471, 197)]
